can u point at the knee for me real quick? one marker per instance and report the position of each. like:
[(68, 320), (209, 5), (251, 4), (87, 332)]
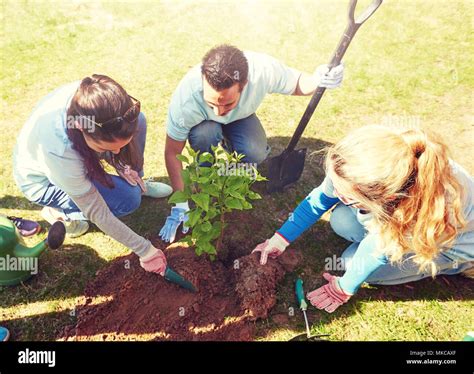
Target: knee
[(255, 153), (205, 135), (344, 223), (131, 202)]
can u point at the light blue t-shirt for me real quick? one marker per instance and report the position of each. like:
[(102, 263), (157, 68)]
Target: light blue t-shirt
[(188, 108), (44, 154)]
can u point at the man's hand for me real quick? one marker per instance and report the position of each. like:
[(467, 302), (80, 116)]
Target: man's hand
[(330, 296), (272, 248), (177, 217), (329, 78), (154, 261), (308, 83)]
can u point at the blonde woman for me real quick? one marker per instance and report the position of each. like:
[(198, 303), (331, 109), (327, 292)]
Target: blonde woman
[(405, 206)]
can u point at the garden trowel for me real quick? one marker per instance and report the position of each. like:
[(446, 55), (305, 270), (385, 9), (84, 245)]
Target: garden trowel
[(174, 277), (303, 306)]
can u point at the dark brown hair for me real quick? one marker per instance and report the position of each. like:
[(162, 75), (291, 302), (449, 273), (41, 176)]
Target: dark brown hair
[(225, 65), (101, 98)]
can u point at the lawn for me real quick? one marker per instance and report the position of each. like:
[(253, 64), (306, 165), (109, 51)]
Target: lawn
[(411, 63)]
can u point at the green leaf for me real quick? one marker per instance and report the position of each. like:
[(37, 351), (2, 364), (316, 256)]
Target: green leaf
[(206, 157), (211, 189), (247, 205), (192, 152), (206, 226), (178, 197), (236, 194), (193, 217), (254, 195), (201, 200), (211, 213), (186, 178), (233, 203), (183, 158), (203, 180)]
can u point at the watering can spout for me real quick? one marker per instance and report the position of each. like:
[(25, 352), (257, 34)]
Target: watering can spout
[(23, 251)]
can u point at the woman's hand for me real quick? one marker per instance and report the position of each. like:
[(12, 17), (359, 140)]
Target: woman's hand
[(272, 247), (154, 261), (132, 177), (330, 296)]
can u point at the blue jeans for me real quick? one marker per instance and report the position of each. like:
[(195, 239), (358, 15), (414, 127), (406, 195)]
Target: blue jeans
[(345, 224), (245, 136), (123, 199)]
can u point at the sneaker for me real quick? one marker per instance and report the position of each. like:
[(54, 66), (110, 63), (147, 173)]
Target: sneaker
[(469, 273), (25, 226), (156, 189), (74, 229), (4, 334)]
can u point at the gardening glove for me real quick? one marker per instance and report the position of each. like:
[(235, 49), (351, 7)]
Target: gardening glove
[(330, 296), (272, 247), (177, 217), (131, 176), (329, 79), (154, 261)]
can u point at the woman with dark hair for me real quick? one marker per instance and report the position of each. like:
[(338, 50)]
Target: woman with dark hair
[(60, 156)]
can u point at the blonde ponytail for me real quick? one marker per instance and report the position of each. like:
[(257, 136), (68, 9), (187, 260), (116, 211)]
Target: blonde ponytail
[(403, 176)]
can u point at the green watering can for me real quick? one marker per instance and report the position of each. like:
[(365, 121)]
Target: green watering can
[(17, 261)]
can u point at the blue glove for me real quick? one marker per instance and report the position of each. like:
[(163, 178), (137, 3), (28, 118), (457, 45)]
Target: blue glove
[(177, 216)]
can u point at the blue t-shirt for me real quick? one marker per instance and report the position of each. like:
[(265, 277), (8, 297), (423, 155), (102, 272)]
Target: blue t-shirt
[(188, 108)]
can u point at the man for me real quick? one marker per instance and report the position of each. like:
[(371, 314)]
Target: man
[(216, 102)]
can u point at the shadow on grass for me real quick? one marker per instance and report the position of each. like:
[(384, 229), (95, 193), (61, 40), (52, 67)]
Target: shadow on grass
[(39, 327), (63, 273), (17, 202)]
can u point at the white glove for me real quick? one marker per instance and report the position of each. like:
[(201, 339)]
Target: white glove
[(272, 247), (329, 79)]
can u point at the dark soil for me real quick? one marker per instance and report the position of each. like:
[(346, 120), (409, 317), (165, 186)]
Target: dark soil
[(233, 292)]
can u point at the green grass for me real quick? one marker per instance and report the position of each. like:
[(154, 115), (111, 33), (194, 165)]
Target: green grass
[(413, 60)]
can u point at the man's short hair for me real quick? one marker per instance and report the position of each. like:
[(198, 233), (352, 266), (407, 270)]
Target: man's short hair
[(225, 65)]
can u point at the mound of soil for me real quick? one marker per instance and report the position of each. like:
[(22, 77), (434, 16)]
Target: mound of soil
[(126, 303)]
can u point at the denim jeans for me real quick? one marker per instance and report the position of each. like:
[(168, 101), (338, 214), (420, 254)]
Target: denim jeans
[(123, 199), (245, 136), (345, 223)]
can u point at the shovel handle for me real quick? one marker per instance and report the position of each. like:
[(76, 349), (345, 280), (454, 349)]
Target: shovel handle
[(352, 27)]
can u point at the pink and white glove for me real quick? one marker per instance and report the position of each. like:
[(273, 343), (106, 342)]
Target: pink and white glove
[(272, 247), (330, 296), (154, 261), (132, 177)]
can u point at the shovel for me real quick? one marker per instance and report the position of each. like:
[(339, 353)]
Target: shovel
[(288, 166), (303, 306)]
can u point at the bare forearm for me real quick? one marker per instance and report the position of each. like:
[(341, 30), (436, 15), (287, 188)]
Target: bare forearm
[(174, 168), (307, 84)]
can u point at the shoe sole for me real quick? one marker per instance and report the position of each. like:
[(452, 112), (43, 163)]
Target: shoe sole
[(51, 220)]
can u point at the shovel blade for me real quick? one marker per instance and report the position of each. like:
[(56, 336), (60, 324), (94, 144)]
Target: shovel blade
[(285, 169), (174, 277)]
